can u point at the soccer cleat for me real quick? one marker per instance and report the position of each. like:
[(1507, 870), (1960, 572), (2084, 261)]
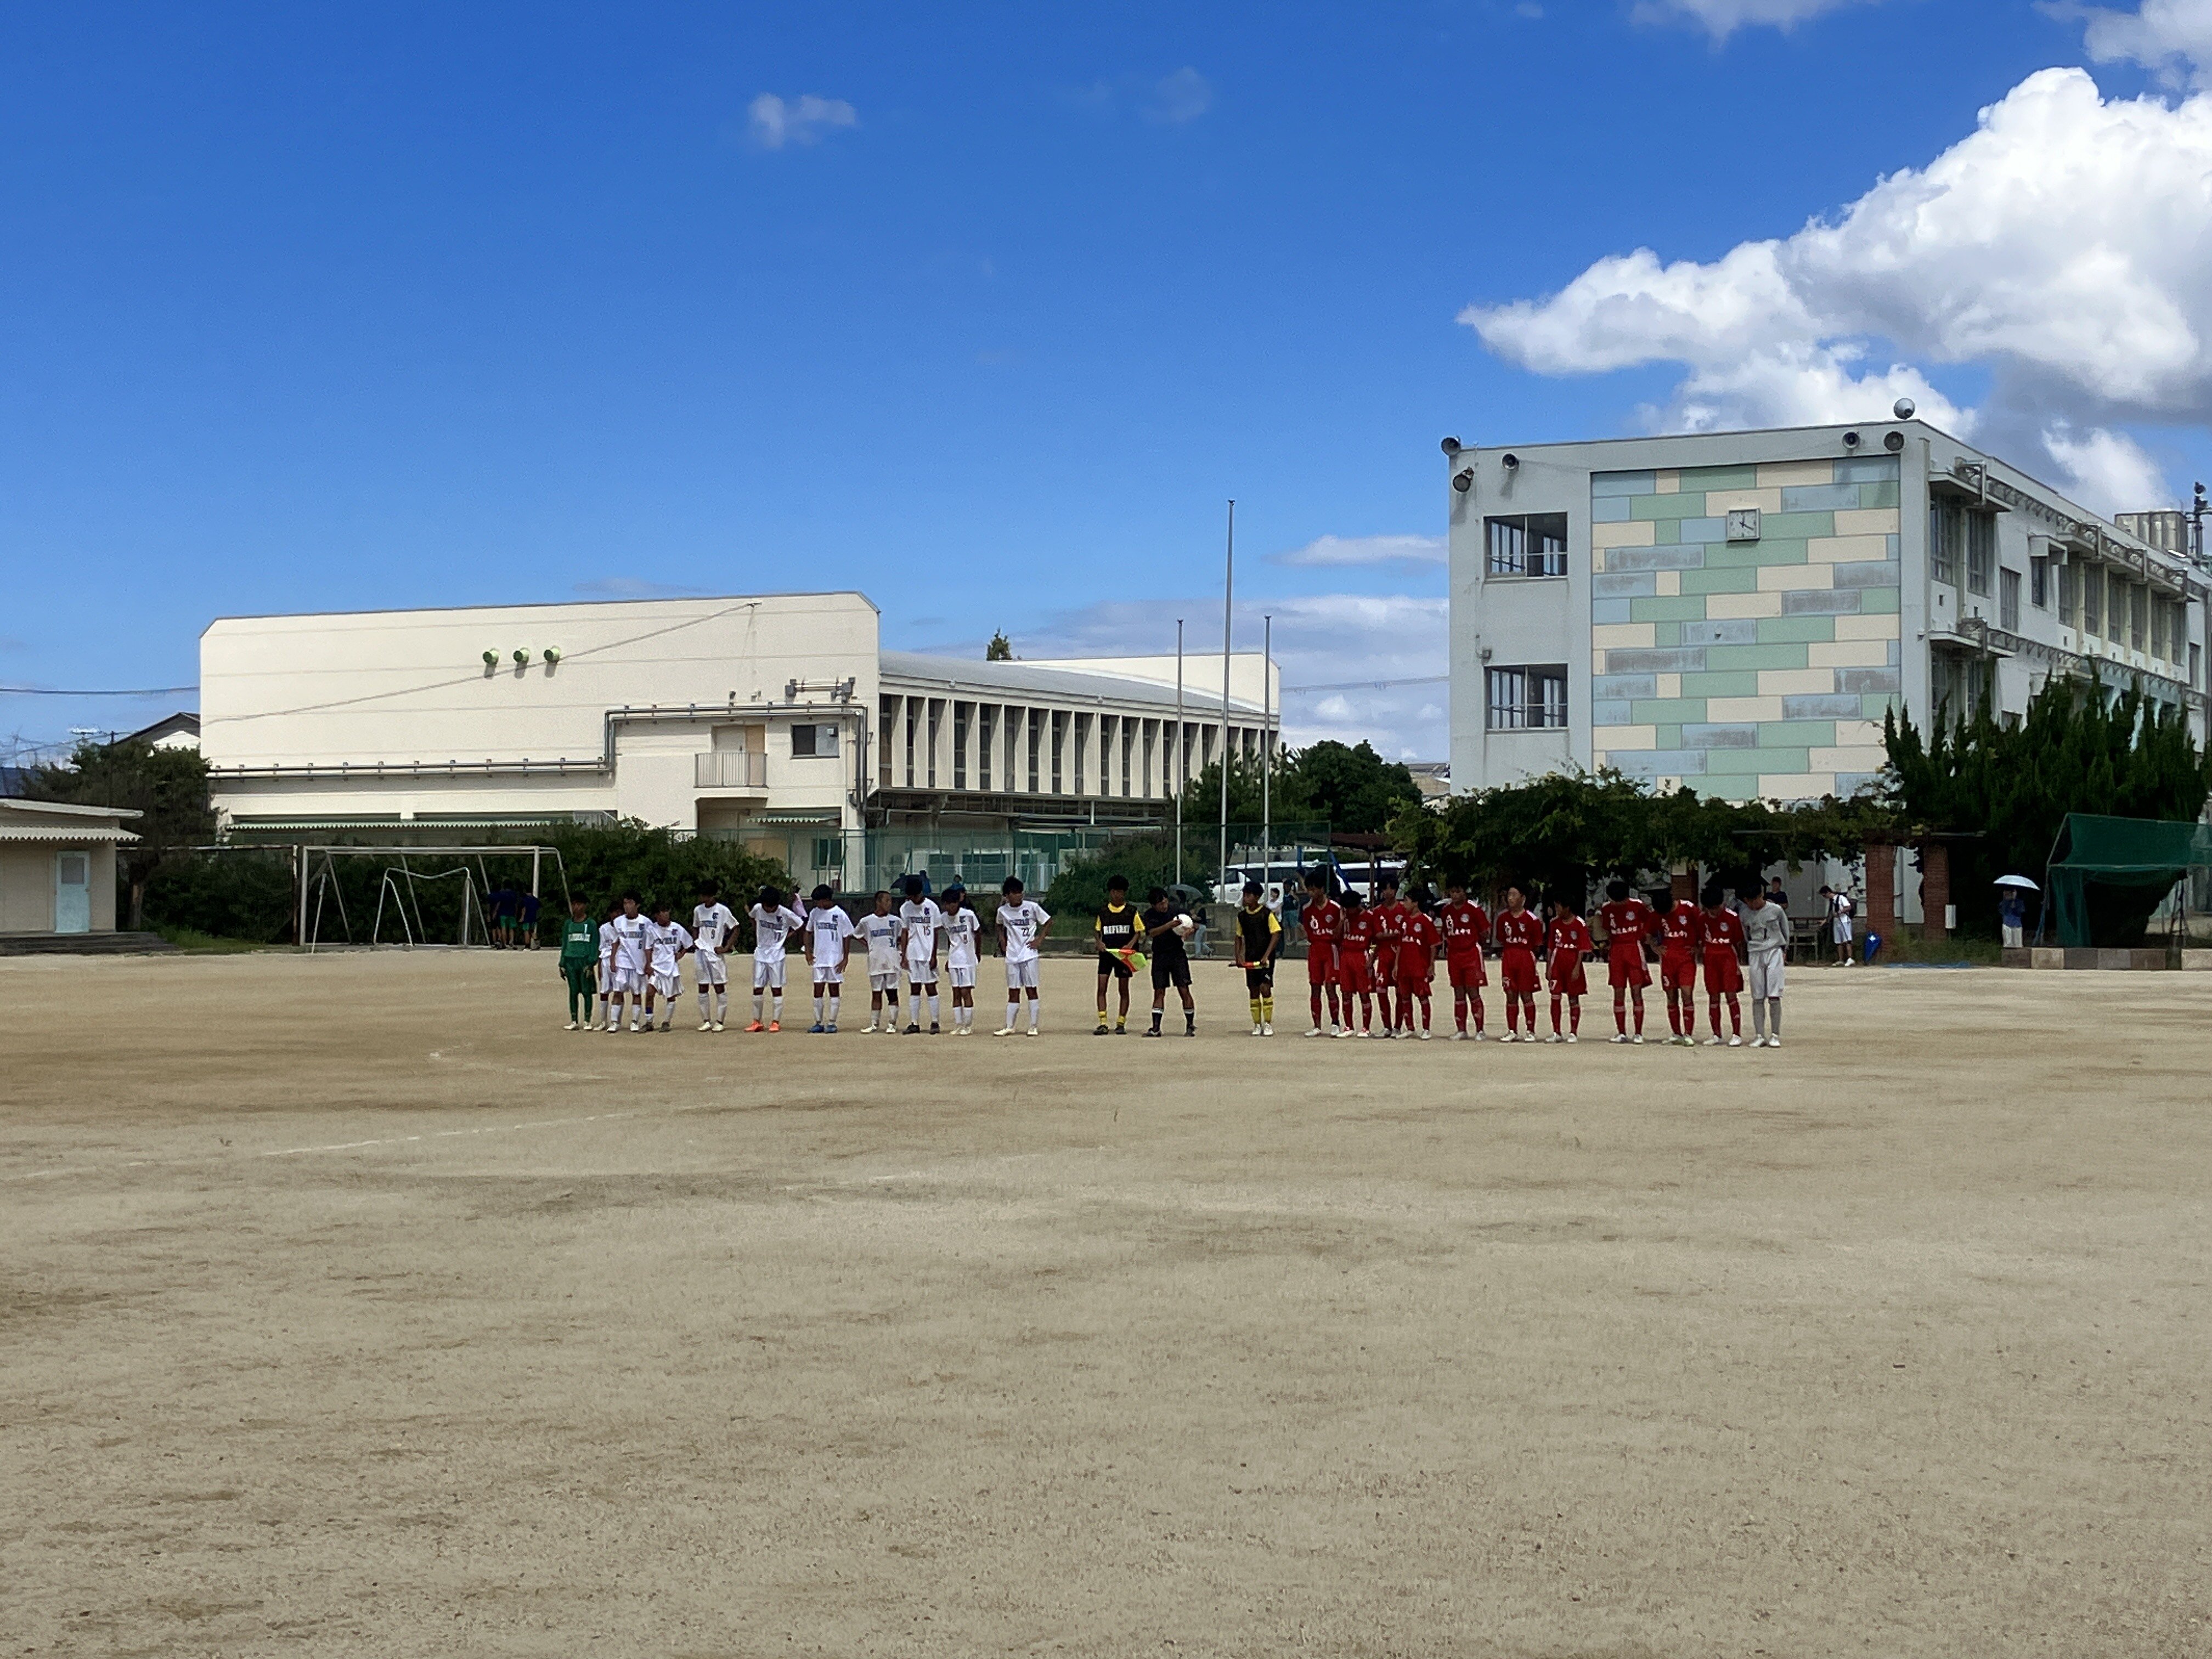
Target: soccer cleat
[(932, 1028), (1459, 1037), (1154, 1031), (913, 1031), (635, 1027), (1033, 1030), (1618, 1036), (870, 1026), (1713, 1042), (775, 1025), (1424, 1034), (757, 1026), (1256, 1030), (1003, 1030), (706, 1024), (1101, 1032), (829, 1031), (1735, 1040), (1774, 1042), (718, 1024), (1316, 1032), (1555, 1037), (666, 1025), (1637, 1039), (1573, 1036)]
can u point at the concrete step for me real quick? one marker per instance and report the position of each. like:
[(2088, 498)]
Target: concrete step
[(81, 944)]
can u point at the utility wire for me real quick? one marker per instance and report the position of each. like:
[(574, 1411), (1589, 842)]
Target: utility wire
[(48, 691), (1369, 685)]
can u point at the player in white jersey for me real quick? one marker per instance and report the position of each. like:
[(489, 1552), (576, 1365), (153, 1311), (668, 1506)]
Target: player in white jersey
[(829, 942), (918, 920), (879, 933), (1022, 922), (667, 944), (630, 929), (607, 1009), (774, 921), (961, 924), (714, 933)]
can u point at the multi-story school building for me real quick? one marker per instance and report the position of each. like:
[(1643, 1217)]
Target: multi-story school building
[(1735, 611), (776, 720)]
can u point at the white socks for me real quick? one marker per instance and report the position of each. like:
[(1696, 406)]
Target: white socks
[(1012, 1009), (776, 1004), (932, 1007), (1036, 1005), (760, 1007), (833, 1010)]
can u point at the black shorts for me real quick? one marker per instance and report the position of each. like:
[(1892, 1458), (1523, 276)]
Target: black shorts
[(1258, 982), (1166, 973), (1111, 963)]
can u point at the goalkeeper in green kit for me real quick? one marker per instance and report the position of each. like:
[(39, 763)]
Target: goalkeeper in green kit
[(579, 961)]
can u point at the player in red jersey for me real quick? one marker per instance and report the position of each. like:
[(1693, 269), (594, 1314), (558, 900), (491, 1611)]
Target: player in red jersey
[(1418, 938), (1323, 920), (1570, 939), (1682, 938), (1355, 972), (1389, 925), (1723, 939), (1520, 934), (1628, 921), (1465, 924)]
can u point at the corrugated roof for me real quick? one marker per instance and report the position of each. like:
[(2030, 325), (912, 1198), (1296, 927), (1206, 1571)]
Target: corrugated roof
[(71, 835), (1038, 680), (15, 808)]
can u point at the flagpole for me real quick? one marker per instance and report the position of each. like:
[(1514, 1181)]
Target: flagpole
[(1228, 604), (1267, 739), (1182, 770)]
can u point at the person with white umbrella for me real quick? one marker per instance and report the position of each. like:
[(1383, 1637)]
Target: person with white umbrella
[(2012, 908)]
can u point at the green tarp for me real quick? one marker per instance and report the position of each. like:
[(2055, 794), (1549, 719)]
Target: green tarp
[(2106, 875)]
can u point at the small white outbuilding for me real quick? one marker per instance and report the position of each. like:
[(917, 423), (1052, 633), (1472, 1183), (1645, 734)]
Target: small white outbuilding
[(58, 866)]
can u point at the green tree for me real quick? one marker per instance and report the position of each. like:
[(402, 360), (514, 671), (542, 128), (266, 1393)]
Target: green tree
[(1001, 649), (166, 788), (1145, 857), (1353, 787), (2005, 791), (1287, 801)]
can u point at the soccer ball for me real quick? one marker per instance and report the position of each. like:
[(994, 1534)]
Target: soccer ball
[(1185, 926)]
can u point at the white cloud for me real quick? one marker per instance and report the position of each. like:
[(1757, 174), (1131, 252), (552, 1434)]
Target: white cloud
[(2172, 38), (2107, 471), (2066, 245), (1178, 98), (1365, 550), (1722, 18), (806, 119)]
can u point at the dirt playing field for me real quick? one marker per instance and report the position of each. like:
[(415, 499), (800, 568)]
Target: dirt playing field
[(349, 1305)]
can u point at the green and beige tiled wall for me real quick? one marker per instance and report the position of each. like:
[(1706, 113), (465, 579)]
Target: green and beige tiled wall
[(1745, 668)]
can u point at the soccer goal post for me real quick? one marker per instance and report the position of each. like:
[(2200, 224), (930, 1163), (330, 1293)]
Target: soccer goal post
[(415, 896)]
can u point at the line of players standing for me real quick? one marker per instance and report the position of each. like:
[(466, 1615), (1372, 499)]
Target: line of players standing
[(1383, 956)]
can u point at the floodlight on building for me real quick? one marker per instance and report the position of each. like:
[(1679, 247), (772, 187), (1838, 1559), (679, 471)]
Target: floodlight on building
[(1893, 442), (552, 655), (1451, 445), (1851, 441), (1903, 408), (522, 659), (1512, 462), (1463, 481), (491, 659)]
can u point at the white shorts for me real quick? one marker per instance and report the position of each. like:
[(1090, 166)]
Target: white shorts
[(627, 982), (829, 973), (922, 973), (712, 968), (1021, 975), (1765, 975), (671, 985), (767, 974), (1841, 931), (963, 979), (884, 981)]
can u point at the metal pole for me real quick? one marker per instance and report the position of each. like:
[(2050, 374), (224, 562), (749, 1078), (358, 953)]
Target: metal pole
[(1228, 602), (1180, 769), (1267, 739)]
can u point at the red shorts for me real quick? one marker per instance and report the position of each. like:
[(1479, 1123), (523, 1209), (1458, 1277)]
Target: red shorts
[(1416, 973), (1567, 978), (1516, 970), (1678, 971), (1467, 972), (1321, 964), (1624, 964), (1352, 972), (1385, 967), (1723, 971)]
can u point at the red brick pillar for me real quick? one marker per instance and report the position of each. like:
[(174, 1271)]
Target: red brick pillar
[(1881, 890), (1935, 888), (1683, 883)]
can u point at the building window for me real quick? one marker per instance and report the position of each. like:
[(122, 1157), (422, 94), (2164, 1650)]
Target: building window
[(2196, 664), (813, 742), (2092, 602), (1981, 551), (1947, 539), (1082, 751), (828, 851), (2008, 600), (2138, 617), (1036, 747), (913, 723), (1527, 698), (962, 713), (1059, 745), (985, 724), (1128, 755), (1958, 686), (936, 725), (891, 716), (2069, 595), (2038, 583), (1531, 544)]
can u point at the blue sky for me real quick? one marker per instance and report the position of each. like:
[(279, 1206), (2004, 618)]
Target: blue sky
[(985, 313)]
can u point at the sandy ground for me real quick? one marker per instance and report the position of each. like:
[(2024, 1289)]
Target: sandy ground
[(349, 1305)]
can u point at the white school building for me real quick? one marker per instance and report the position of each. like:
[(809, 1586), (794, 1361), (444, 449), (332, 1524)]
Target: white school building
[(777, 720)]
